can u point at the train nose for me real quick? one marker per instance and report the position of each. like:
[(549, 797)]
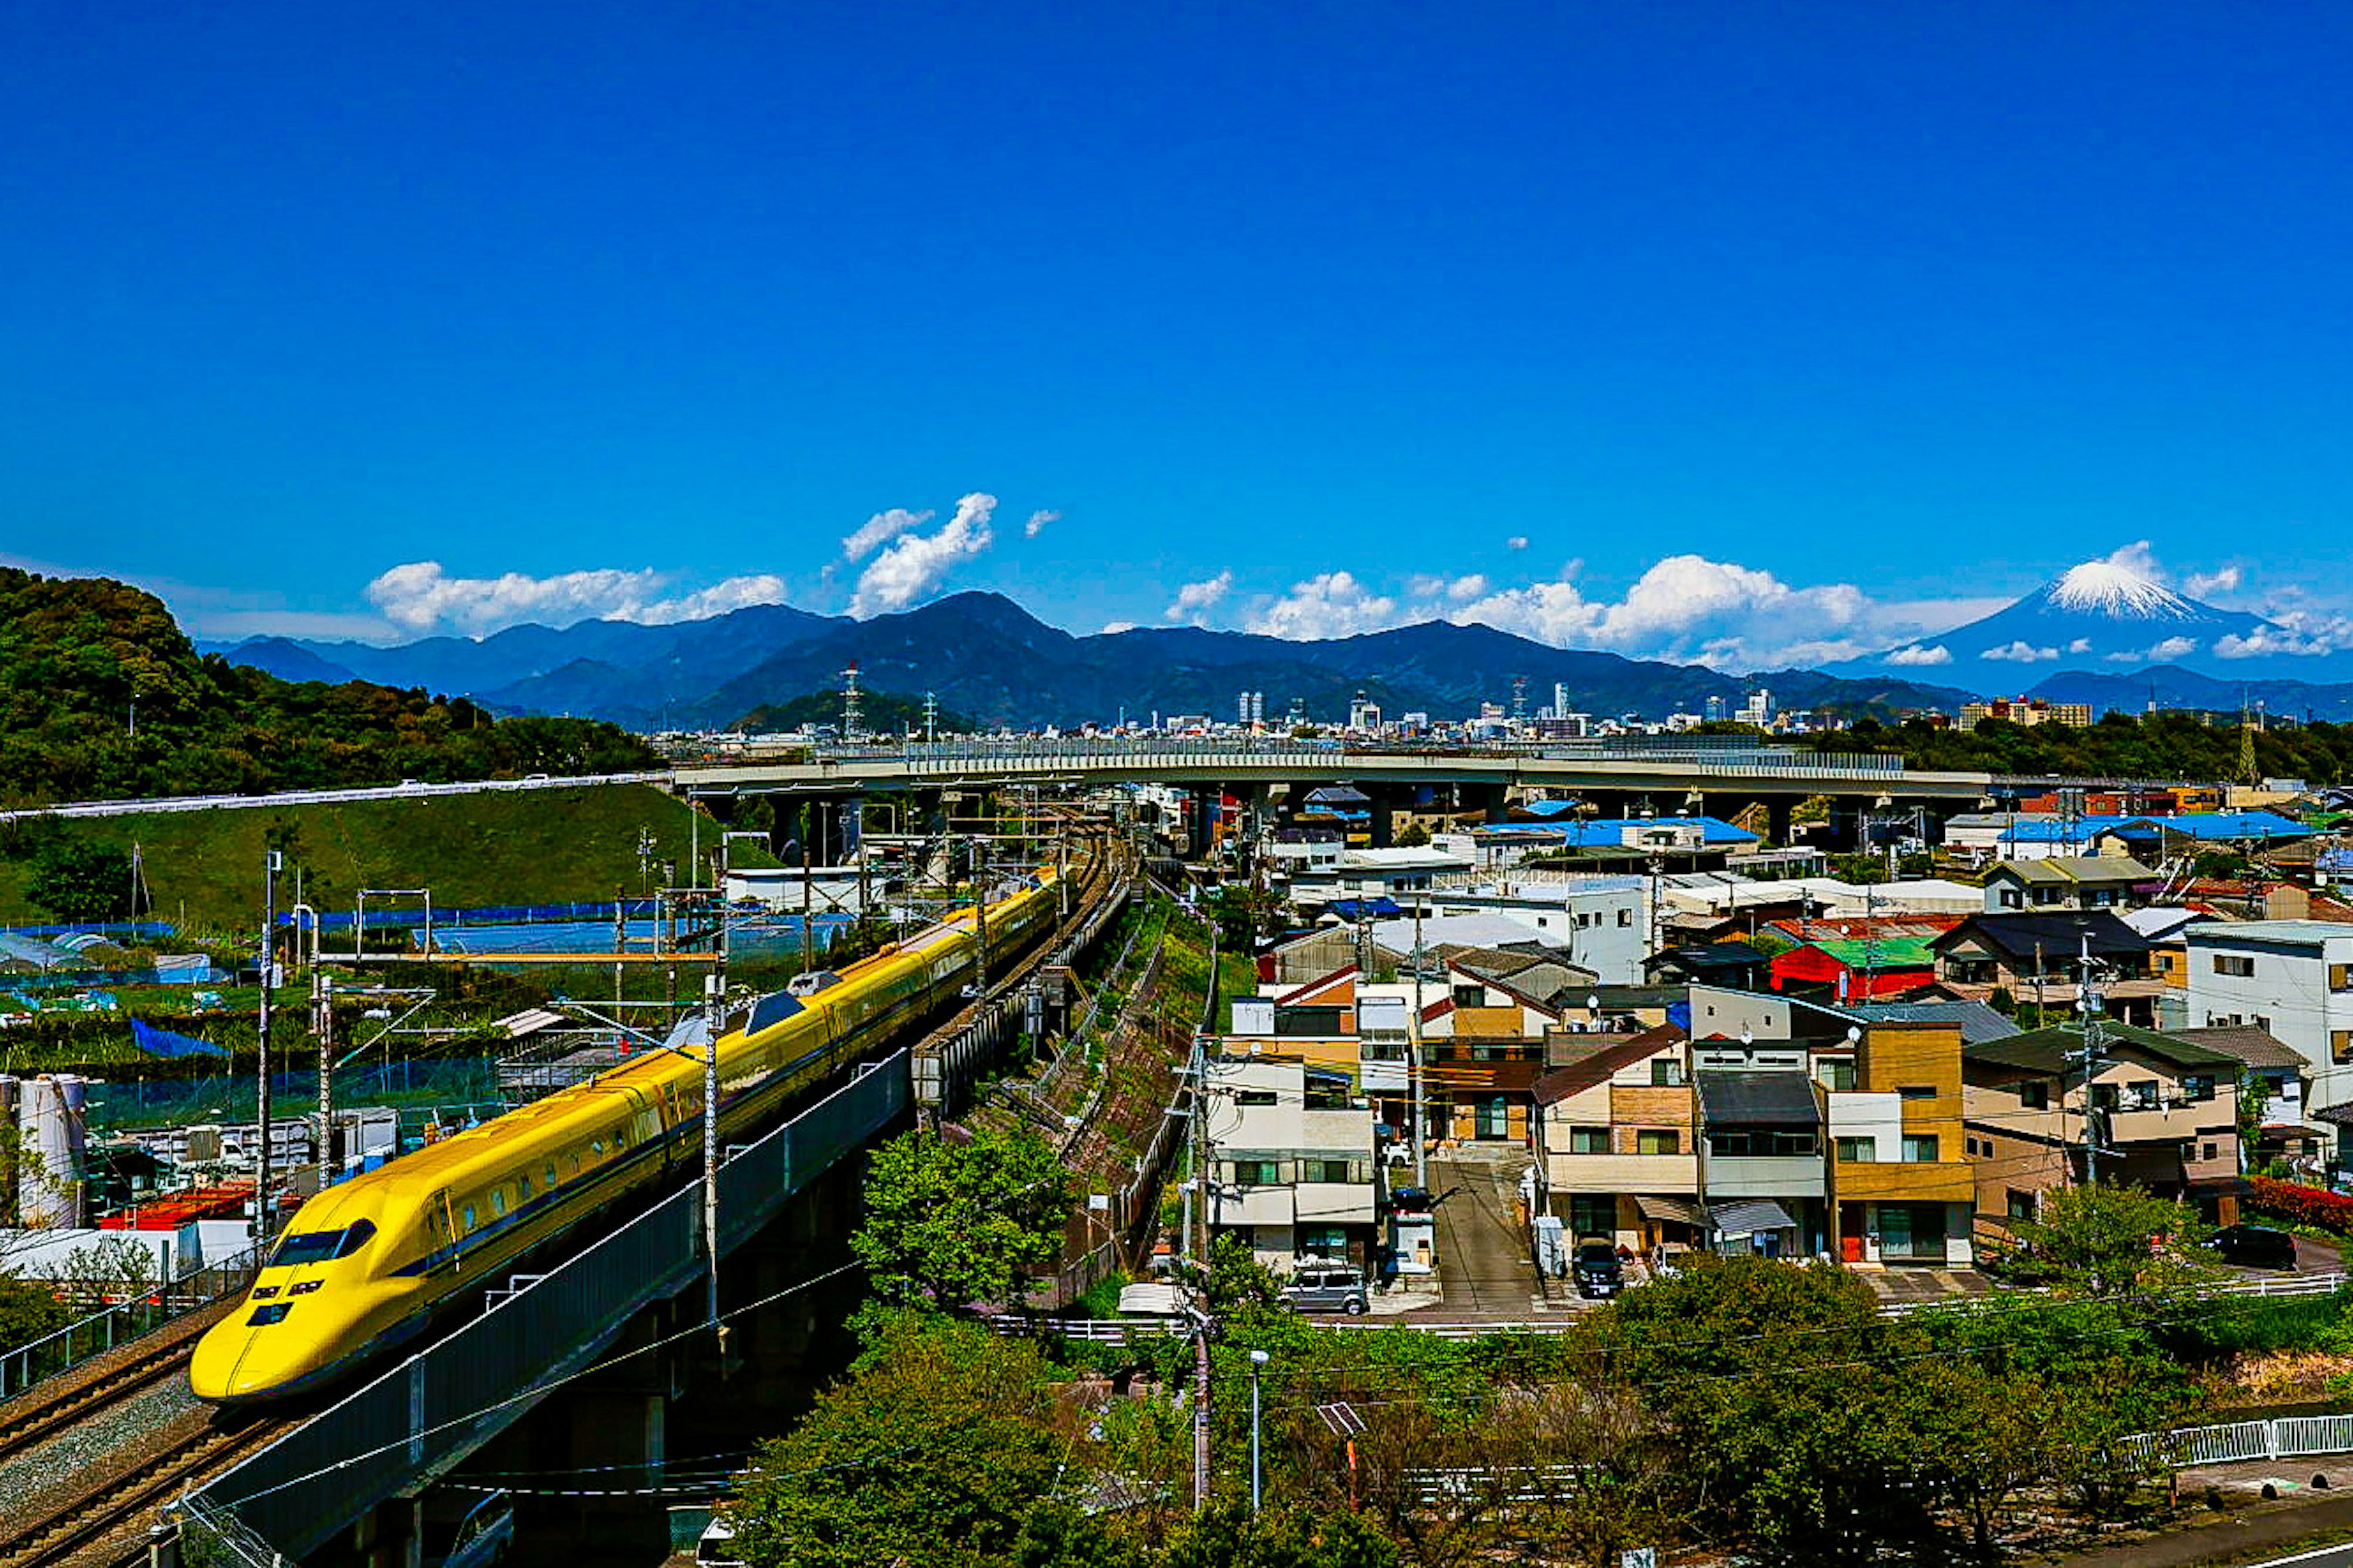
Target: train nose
[(237, 1360)]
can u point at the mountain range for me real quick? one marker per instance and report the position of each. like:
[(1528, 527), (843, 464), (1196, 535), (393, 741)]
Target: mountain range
[(982, 654), (2109, 636)]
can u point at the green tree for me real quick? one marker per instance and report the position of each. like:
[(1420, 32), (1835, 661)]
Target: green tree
[(933, 1454), (76, 879), (2101, 1240), (1230, 1536), (950, 1225), (28, 1309)]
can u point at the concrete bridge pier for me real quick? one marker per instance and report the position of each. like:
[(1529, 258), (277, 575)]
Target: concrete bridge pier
[(1383, 814), (391, 1534), (1491, 800)]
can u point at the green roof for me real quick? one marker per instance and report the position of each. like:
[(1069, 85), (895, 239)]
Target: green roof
[(2050, 1050), (1885, 952)]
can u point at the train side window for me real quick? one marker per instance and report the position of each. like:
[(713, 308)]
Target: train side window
[(597, 1147), (498, 1200), (550, 1173), (470, 1219), (576, 1161), (523, 1186), (621, 1137)]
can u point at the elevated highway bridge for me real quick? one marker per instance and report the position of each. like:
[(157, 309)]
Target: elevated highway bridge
[(1618, 776)]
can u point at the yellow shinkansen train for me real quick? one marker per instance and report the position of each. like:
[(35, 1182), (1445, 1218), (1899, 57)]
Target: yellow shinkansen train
[(362, 1266)]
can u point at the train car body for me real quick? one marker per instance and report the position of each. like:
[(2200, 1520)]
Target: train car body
[(364, 1265)]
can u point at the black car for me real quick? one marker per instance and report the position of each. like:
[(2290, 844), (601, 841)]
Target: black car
[(2255, 1244), (1596, 1270)]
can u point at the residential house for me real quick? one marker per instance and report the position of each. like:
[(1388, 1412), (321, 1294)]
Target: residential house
[(1856, 968), (2037, 959), (2292, 978), (2159, 1111), (1976, 1022), (1762, 1176), (1618, 1140), (1734, 966), (1903, 1184), (1291, 1155), (2277, 1073), (2157, 839), (2066, 882)]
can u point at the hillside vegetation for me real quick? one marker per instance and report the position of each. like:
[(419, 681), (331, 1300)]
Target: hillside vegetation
[(2160, 746), (103, 696), (541, 845)]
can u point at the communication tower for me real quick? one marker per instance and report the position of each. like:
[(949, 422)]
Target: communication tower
[(851, 729)]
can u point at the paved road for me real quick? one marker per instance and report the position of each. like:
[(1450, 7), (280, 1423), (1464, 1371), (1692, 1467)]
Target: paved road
[(1484, 1266)]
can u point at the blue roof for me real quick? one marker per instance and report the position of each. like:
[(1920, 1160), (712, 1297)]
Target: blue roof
[(2055, 831), (1550, 807), (1607, 832), (2215, 825)]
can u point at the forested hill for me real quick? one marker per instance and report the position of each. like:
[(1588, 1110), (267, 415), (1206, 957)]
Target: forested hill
[(2160, 746), (103, 696)]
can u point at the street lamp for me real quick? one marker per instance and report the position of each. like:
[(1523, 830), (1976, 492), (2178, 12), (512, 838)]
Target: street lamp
[(1258, 1360)]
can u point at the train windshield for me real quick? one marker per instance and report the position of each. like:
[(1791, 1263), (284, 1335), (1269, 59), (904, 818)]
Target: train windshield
[(320, 1246)]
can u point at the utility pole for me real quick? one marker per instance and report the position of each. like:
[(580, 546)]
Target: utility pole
[(1420, 1069), (2087, 1003), (270, 862), (980, 913), (809, 937), (322, 1025)]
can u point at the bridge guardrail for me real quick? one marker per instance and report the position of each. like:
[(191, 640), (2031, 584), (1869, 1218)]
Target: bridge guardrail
[(429, 1411)]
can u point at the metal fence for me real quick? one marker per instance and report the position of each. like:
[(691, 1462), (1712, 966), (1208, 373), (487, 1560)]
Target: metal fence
[(2281, 1437), (1047, 756), (87, 1338), (441, 1403)]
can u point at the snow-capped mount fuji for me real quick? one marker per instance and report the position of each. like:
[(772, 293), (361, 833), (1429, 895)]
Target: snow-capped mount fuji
[(2102, 616)]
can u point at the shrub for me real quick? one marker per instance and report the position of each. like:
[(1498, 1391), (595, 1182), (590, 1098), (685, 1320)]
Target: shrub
[(2300, 1204)]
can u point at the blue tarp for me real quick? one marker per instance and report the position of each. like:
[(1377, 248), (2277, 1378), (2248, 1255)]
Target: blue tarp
[(158, 1042), (1364, 909)]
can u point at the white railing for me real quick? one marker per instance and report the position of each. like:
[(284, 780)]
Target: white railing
[(1114, 1329), (2280, 1437)]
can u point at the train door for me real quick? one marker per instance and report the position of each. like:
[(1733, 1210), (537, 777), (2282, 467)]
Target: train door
[(440, 1223)]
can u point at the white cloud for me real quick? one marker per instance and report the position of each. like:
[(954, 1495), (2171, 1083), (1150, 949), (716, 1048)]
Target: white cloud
[(2205, 584), (419, 597), (915, 564), (2020, 652), (1916, 655), (1038, 521), (2298, 634), (1462, 590), (1517, 542), (2164, 652), (2080, 645), (1687, 607), (1328, 604), (1195, 600), (881, 530), (1114, 627)]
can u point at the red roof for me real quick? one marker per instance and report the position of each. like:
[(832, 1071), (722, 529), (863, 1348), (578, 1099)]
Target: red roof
[(169, 1211)]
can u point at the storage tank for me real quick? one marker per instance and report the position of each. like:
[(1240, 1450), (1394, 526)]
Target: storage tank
[(9, 1097), (51, 1189)]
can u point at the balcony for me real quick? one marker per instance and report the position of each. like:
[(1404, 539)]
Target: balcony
[(1763, 1176), (1623, 1172)]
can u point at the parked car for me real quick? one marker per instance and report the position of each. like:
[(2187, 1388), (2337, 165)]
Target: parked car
[(717, 1547), (481, 1537), (1597, 1269), (2255, 1244), (1327, 1287)]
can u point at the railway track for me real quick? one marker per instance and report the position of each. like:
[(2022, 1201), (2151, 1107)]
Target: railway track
[(103, 1518), (56, 1403)]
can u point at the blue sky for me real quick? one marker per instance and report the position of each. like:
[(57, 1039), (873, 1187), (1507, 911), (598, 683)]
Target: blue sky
[(1716, 331)]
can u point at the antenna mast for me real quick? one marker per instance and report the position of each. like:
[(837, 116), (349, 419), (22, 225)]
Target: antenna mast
[(851, 730)]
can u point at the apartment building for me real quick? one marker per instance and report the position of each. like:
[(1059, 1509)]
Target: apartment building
[(2291, 978)]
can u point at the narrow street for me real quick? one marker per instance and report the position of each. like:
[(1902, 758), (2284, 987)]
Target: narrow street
[(1484, 1266)]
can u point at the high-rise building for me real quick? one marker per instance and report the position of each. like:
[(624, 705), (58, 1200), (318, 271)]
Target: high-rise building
[(1559, 699), (1714, 708)]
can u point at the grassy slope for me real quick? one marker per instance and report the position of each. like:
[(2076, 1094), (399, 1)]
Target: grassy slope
[(526, 847)]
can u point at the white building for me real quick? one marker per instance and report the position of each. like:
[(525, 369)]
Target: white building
[(2294, 978), (1601, 923), (1397, 874), (1291, 1156)]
